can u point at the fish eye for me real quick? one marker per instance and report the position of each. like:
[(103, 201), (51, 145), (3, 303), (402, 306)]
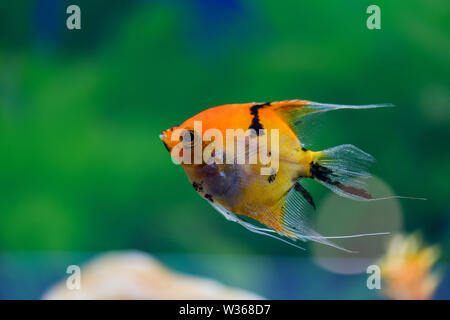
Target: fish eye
[(190, 138)]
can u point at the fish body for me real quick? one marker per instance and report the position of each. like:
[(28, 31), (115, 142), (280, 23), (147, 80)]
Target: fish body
[(275, 198)]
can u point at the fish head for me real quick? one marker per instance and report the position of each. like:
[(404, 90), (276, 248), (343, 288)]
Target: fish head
[(166, 138), (184, 135)]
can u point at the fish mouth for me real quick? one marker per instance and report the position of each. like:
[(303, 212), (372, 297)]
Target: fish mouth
[(163, 138)]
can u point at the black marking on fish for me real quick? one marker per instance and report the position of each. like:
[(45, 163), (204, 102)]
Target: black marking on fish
[(322, 173), (209, 197), (197, 186), (165, 145), (242, 218), (304, 149), (256, 124), (298, 187), (325, 174), (272, 178)]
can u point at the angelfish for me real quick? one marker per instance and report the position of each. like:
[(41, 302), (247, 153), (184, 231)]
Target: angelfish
[(277, 200)]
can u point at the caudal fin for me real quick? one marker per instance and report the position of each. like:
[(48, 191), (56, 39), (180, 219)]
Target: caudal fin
[(343, 170)]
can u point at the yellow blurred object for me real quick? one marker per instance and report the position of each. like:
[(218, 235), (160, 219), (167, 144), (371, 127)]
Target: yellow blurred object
[(136, 275), (406, 269)]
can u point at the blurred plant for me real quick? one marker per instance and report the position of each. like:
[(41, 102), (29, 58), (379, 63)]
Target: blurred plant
[(406, 268)]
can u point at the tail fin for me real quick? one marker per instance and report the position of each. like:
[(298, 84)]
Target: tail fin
[(341, 169)]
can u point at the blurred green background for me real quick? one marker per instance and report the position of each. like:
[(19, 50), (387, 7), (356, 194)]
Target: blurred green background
[(81, 164)]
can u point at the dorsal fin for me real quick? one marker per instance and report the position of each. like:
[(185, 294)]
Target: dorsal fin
[(292, 110), (301, 115)]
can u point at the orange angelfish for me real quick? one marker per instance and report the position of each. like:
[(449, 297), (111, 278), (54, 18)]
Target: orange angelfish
[(263, 180)]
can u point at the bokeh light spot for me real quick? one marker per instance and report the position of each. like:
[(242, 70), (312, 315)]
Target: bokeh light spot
[(338, 216)]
